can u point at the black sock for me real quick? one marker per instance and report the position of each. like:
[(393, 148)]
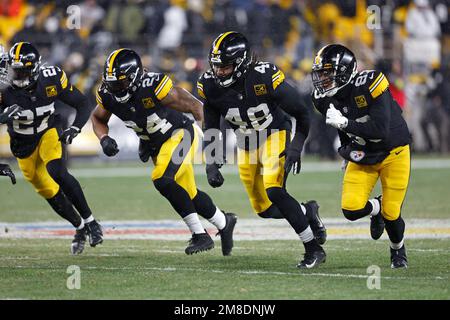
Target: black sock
[(70, 186), (395, 229), (272, 212), (64, 208), (312, 245), (353, 215), (289, 208), (204, 205), (177, 196)]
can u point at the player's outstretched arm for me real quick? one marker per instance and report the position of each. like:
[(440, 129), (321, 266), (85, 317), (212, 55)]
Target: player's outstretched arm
[(181, 100)]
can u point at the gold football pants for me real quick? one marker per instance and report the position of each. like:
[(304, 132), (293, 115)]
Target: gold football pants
[(169, 163), (263, 168), (34, 167), (359, 180)]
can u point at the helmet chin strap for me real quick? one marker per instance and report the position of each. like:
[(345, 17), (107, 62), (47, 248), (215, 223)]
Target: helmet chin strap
[(123, 99), (21, 83)]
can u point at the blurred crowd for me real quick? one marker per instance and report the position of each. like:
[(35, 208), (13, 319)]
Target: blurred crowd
[(174, 36)]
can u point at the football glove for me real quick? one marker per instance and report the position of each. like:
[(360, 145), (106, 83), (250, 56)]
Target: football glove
[(215, 178), (10, 113), (293, 160), (335, 118), (69, 134), (5, 170), (109, 146)]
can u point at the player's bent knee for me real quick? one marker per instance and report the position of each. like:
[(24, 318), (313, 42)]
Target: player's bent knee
[(353, 203), (276, 194), (163, 184), (351, 215), (391, 211), (48, 192)]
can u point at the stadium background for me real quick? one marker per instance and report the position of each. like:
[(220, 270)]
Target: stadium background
[(174, 37)]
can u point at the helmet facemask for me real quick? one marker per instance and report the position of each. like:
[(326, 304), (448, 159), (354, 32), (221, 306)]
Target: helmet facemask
[(122, 87), (330, 79), (23, 75), (240, 66)]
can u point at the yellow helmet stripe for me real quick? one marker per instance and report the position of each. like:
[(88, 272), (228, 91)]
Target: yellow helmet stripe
[(111, 61), (17, 56), (219, 41)]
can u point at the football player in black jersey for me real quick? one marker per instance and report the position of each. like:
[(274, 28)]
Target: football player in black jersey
[(149, 104), (374, 140), (256, 101), (28, 106)]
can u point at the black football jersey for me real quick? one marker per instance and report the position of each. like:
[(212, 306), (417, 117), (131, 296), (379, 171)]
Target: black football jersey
[(360, 101), (38, 105), (248, 107), (144, 113)]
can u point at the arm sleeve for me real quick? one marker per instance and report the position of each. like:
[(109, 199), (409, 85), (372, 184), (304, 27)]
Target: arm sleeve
[(377, 127), (292, 103), (74, 98)]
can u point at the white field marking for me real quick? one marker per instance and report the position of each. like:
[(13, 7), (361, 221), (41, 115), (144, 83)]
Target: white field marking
[(307, 166), (244, 272), (246, 229)]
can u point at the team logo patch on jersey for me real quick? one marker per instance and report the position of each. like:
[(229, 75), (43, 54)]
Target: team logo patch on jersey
[(148, 103), (260, 89), (357, 155), (361, 101), (51, 91)]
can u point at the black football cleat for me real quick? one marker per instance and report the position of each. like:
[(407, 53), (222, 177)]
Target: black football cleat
[(199, 242), (312, 259), (226, 234), (95, 233), (316, 224), (398, 258), (377, 223), (78, 241)]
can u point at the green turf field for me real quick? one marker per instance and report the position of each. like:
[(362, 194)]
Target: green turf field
[(150, 269)]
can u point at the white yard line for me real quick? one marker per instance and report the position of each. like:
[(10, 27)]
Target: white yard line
[(244, 272)]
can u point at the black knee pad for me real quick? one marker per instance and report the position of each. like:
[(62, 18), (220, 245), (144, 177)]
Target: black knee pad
[(351, 215), (271, 213), (56, 170), (276, 194), (163, 184)]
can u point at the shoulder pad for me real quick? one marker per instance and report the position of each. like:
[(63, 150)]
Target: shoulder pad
[(272, 76), (203, 83), (53, 75), (373, 81), (160, 83), (99, 96)]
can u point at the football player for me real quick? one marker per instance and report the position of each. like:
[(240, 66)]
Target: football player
[(256, 101), (28, 106), (153, 107), (374, 140)]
